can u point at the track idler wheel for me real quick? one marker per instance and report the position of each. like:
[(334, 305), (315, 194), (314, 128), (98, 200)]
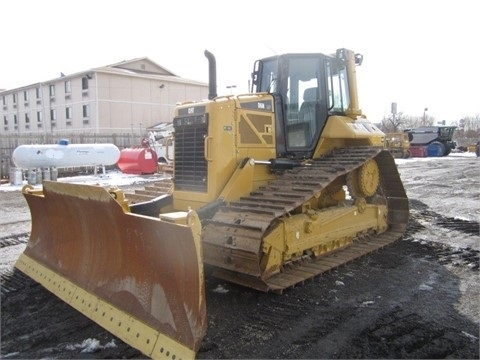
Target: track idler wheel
[(364, 181), (361, 204)]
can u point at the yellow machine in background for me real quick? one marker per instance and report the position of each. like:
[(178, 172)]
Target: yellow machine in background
[(398, 144), (270, 188)]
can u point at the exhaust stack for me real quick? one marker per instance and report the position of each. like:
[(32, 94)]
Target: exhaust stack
[(212, 75)]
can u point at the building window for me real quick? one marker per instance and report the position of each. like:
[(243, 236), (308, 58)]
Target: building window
[(38, 94), (85, 83), (4, 98), (15, 121), (39, 116), (27, 121), (14, 98), (86, 111), (68, 113), (52, 90), (53, 117), (5, 121), (68, 87), (25, 95)]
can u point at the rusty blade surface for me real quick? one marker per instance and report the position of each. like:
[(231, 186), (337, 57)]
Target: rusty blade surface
[(150, 269)]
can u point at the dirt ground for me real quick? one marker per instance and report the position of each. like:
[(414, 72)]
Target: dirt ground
[(417, 298)]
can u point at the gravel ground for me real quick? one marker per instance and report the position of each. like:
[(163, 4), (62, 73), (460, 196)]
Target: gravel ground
[(417, 298)]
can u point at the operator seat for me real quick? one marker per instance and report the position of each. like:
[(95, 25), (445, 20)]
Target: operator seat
[(308, 110)]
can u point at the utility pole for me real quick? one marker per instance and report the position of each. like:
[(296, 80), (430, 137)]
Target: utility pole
[(394, 115)]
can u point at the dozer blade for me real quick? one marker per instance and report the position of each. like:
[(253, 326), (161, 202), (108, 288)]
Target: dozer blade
[(138, 277)]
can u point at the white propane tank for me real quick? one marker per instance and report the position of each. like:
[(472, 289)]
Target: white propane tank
[(65, 155)]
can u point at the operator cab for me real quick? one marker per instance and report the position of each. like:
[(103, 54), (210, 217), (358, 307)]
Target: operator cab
[(307, 89)]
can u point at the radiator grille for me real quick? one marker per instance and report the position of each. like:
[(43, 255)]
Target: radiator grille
[(190, 164)]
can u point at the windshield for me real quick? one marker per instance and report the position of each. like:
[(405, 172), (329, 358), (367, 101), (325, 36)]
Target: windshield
[(268, 81), (338, 99)]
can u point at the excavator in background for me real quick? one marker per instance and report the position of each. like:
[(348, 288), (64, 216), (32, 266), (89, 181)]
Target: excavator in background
[(271, 188)]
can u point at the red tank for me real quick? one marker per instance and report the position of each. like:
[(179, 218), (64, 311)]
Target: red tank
[(138, 161)]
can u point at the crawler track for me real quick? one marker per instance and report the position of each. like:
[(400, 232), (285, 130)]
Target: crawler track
[(11, 240), (248, 219), (10, 279)]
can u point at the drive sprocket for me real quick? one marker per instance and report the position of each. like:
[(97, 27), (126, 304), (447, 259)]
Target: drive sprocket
[(364, 181)]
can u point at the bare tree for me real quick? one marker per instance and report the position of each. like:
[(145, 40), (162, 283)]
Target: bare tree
[(392, 122), (468, 131), (469, 123), (401, 122)]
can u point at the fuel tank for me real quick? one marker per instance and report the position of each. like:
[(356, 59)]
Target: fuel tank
[(138, 161), (64, 154)]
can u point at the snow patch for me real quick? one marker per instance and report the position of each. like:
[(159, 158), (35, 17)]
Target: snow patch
[(110, 178), (90, 346), (425, 287), (470, 336), (6, 356), (220, 289), (367, 303)]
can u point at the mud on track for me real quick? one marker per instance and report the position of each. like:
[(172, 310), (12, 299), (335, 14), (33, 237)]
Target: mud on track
[(400, 302)]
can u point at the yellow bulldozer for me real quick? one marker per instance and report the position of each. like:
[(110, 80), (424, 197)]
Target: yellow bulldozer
[(271, 188), (398, 144)]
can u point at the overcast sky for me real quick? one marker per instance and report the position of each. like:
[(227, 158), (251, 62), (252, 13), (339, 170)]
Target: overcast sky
[(417, 53)]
